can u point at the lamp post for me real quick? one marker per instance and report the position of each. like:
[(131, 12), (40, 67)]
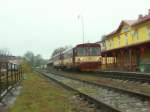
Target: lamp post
[(82, 24)]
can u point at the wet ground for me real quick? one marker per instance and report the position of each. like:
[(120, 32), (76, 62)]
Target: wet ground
[(38, 94), (10, 99)]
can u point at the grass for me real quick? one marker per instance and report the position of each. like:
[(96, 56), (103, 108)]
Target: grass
[(40, 95)]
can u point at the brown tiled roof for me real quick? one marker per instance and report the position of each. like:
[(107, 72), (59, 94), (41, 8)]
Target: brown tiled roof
[(142, 19), (131, 23)]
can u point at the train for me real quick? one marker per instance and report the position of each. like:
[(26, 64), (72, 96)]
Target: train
[(82, 57)]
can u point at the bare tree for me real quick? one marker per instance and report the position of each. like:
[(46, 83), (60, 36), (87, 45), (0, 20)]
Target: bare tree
[(4, 52), (34, 60), (60, 50)]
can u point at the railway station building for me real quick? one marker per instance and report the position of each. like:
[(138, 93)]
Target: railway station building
[(129, 45)]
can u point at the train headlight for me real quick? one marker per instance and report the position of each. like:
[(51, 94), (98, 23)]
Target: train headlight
[(80, 59)]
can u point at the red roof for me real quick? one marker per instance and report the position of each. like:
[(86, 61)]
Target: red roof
[(128, 22), (88, 45), (141, 19)]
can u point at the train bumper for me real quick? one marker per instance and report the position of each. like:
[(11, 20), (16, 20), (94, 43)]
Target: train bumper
[(89, 66)]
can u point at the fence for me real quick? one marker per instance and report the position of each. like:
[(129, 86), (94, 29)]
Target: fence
[(10, 75)]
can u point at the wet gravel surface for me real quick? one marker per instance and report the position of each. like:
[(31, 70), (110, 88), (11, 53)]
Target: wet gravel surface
[(123, 102), (82, 106), (122, 84)]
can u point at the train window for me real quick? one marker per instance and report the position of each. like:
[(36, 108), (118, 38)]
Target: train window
[(75, 51), (94, 51), (88, 51), (82, 51)]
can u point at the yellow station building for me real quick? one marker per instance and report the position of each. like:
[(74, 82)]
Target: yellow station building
[(129, 44)]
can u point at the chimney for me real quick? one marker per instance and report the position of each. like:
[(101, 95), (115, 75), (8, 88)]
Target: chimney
[(140, 16)]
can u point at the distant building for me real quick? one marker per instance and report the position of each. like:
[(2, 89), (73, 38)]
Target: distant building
[(13, 59)]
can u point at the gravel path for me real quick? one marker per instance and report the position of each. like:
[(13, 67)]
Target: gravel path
[(123, 102)]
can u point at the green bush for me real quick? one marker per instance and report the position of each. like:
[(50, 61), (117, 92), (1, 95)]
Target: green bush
[(26, 68)]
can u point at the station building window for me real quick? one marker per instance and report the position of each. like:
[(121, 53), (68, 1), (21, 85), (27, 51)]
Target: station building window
[(109, 43), (126, 39), (118, 40), (125, 29), (132, 34), (103, 44), (112, 43), (135, 35), (148, 32)]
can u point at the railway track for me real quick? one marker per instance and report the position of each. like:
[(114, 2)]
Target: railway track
[(139, 77), (138, 94), (133, 86), (127, 76), (121, 100), (130, 76), (100, 106)]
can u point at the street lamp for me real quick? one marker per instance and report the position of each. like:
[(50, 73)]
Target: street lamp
[(82, 24)]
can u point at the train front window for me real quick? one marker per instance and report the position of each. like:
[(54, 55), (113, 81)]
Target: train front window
[(94, 51), (88, 51), (82, 51)]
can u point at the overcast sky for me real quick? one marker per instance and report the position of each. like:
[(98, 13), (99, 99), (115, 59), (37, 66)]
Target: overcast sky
[(43, 25)]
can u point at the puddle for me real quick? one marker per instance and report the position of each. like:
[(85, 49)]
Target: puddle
[(10, 98)]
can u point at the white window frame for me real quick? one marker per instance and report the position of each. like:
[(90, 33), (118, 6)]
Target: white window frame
[(136, 34), (126, 39), (148, 31), (112, 41), (132, 34), (125, 29)]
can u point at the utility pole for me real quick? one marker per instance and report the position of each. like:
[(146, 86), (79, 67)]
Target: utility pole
[(82, 24)]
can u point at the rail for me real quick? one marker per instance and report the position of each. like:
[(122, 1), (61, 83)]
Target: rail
[(98, 104), (132, 76)]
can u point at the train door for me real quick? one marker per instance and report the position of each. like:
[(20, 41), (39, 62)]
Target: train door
[(74, 55)]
